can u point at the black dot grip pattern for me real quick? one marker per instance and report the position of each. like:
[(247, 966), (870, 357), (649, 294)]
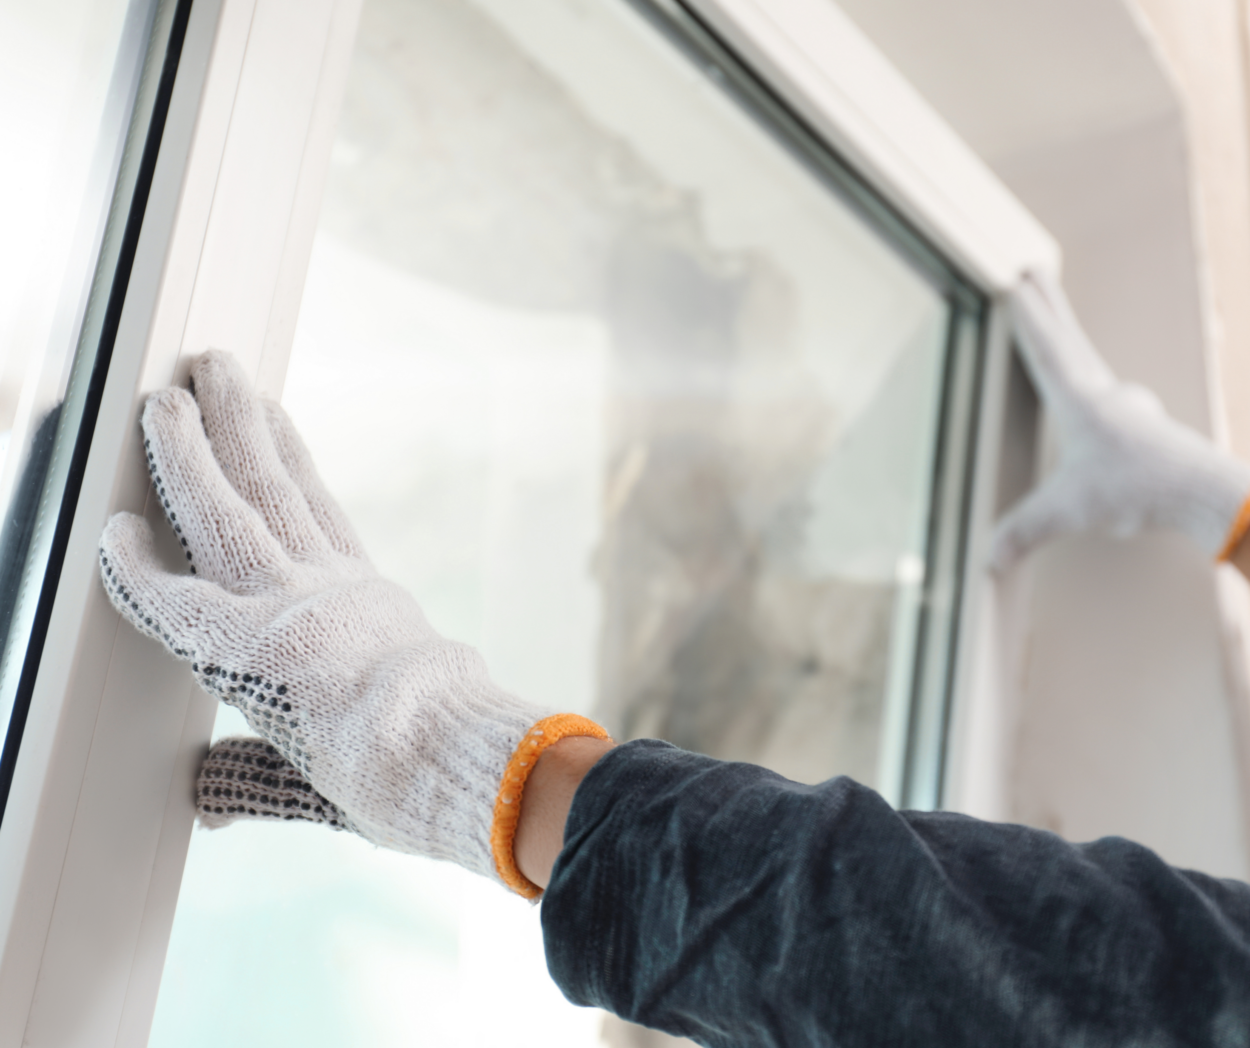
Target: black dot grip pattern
[(267, 706), (248, 779), (170, 514), (143, 621)]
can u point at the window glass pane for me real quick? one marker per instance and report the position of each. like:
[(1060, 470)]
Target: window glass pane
[(632, 397), (80, 82)]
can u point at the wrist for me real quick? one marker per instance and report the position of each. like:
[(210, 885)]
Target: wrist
[(547, 800), (545, 832)]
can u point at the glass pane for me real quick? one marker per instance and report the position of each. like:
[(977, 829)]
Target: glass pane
[(634, 395), (81, 108)]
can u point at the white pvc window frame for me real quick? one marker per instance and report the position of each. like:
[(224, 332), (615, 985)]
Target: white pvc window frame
[(100, 811)]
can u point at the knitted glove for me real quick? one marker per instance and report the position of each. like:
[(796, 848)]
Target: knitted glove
[(282, 616), (1125, 467)]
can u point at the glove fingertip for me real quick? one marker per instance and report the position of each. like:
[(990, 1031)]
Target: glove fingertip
[(218, 375), (1005, 552), (218, 361), (125, 533), (167, 406), (1041, 516)]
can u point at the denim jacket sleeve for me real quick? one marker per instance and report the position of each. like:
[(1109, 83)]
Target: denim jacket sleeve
[(724, 903)]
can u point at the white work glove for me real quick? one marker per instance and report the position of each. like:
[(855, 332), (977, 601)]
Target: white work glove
[(1125, 467), (283, 617)]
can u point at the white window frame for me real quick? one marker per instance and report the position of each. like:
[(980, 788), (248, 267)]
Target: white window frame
[(100, 811)]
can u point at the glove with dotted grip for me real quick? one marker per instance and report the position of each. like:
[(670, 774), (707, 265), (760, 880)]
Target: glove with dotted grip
[(282, 616), (1125, 466)]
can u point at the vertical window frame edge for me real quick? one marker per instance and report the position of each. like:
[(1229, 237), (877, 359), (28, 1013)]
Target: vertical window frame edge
[(54, 844), (37, 827), (982, 692), (945, 591), (93, 394)]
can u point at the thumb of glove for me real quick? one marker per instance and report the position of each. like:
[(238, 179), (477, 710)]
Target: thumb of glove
[(246, 778)]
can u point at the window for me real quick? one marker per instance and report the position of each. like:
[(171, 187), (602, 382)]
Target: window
[(637, 388), (696, 327)]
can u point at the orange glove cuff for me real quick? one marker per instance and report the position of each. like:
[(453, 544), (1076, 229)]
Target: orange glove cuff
[(546, 732), (1241, 524)]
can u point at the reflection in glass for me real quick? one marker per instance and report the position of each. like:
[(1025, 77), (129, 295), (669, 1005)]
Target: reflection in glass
[(631, 400)]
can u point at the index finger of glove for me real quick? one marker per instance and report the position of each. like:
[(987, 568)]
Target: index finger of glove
[(238, 432), (223, 538), (175, 609), (1059, 355)]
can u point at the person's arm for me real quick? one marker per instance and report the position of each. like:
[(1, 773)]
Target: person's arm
[(722, 902)]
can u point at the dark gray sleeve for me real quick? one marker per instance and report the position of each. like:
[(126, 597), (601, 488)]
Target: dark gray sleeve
[(724, 903)]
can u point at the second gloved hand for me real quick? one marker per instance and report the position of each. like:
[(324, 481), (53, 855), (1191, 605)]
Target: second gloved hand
[(1125, 466)]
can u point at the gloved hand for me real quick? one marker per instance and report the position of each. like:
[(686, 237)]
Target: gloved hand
[(1125, 467), (283, 617)]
